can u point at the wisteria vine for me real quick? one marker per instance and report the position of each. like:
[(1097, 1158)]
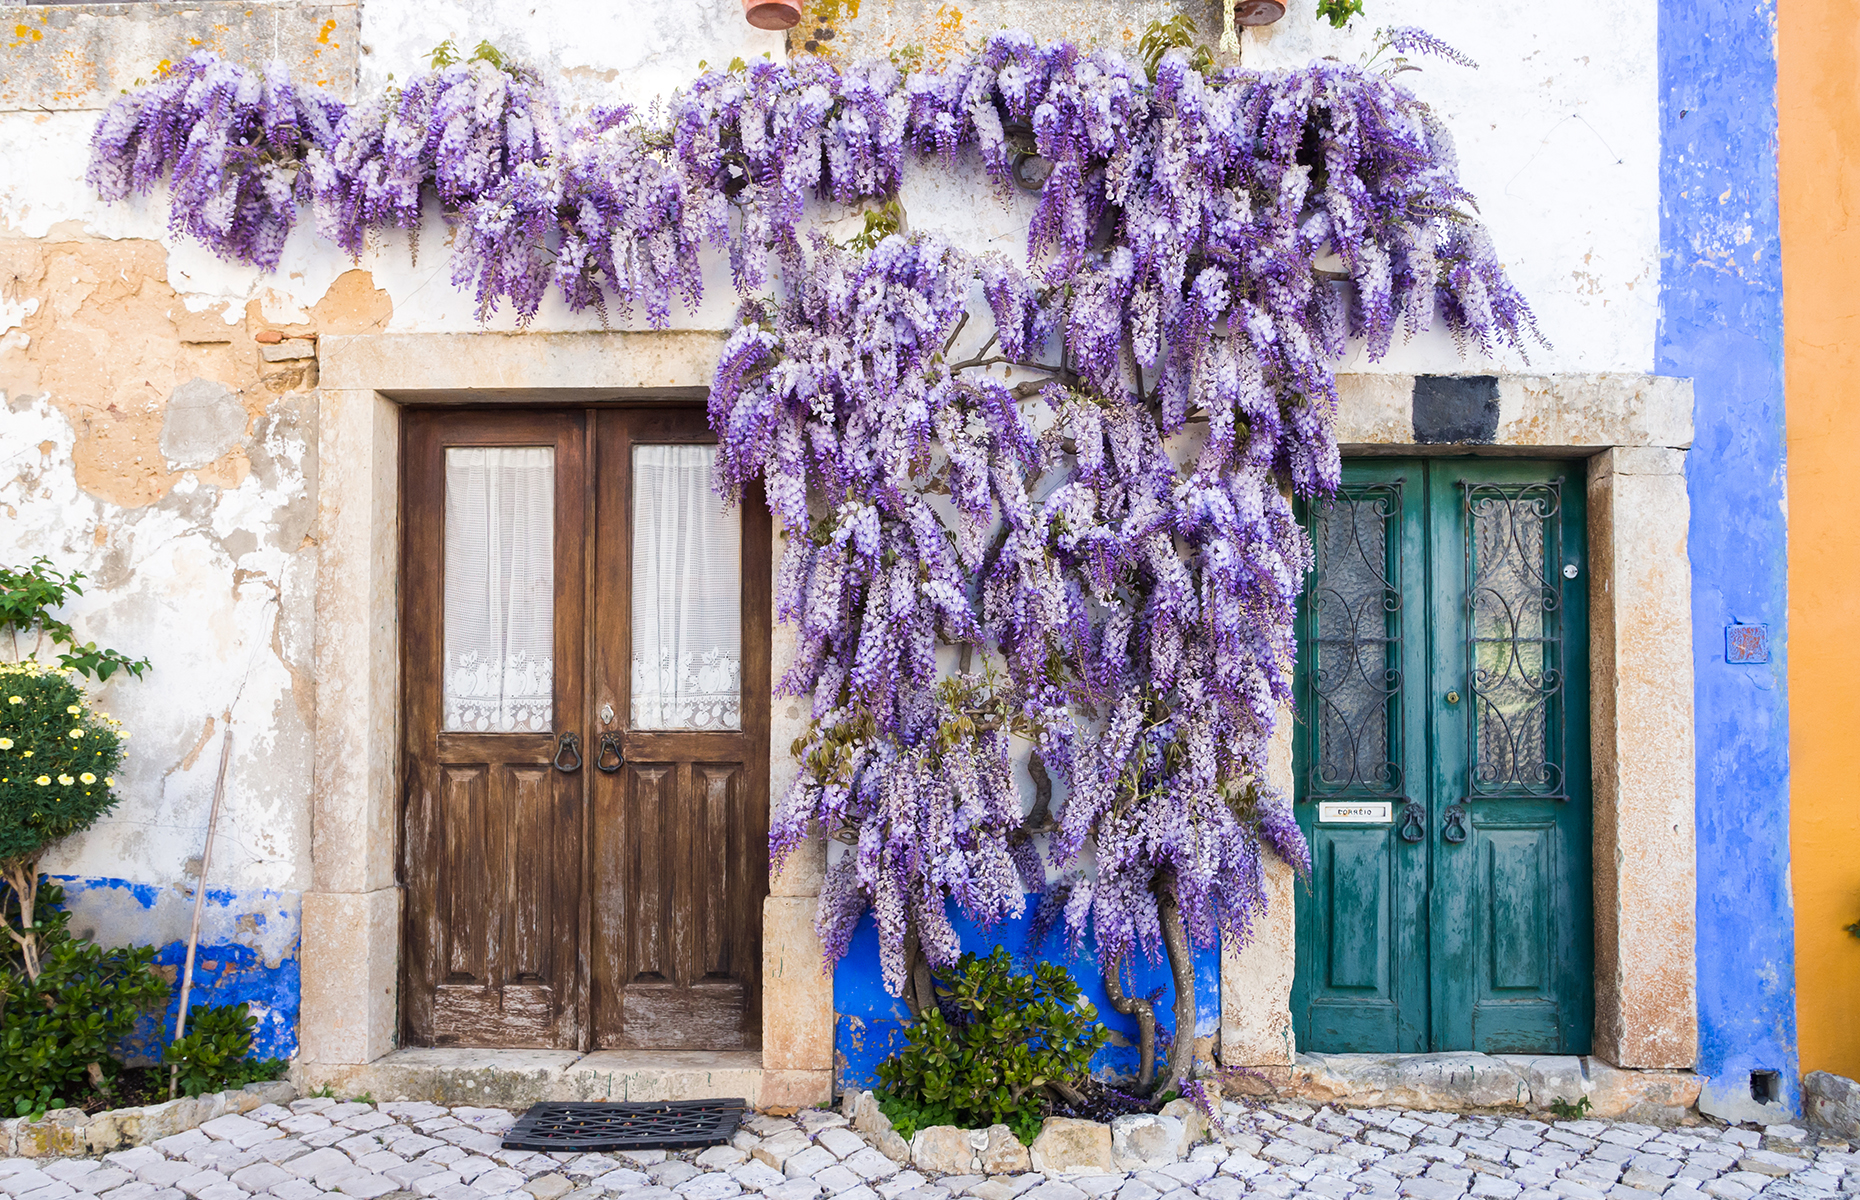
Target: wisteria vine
[(1077, 532)]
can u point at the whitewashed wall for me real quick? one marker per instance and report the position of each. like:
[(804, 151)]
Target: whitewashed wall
[(207, 566)]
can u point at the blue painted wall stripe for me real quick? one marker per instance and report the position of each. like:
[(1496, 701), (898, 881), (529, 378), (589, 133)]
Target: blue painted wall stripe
[(1721, 326)]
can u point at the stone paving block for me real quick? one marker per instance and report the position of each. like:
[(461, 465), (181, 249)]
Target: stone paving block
[(1497, 1189), (181, 1143), (366, 1122), (722, 1158), (165, 1174), (305, 1123), (406, 1173), (498, 1179), (870, 1165), (133, 1190), (1423, 1188), (928, 1191), (51, 1191), (897, 1185), (134, 1158), (280, 1151), (714, 1185), (429, 1185), (223, 1191), (458, 1191), (671, 1174), (755, 1175), (552, 1186), (794, 1189), (296, 1189), (261, 1177), (1221, 1187), (379, 1161), (365, 1186), (810, 1161), (1055, 1190), (1189, 1174), (102, 1180), (199, 1181), (226, 1128), (836, 1179), (841, 1141)]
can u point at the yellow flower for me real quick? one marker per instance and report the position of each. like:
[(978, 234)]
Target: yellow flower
[(15, 699), (77, 733), (87, 777), (26, 753), (65, 781), (109, 781), (6, 743), (73, 709), (43, 780)]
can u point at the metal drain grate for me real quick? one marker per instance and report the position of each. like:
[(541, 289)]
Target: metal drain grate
[(583, 1125)]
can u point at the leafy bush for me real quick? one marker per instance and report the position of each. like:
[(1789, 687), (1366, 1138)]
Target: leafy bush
[(58, 1026), (28, 595), (57, 756), (988, 1052), (216, 1053)]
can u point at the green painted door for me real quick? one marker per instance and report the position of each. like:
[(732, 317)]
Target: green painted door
[(1442, 762)]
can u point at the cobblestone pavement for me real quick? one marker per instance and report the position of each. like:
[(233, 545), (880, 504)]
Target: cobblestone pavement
[(413, 1151)]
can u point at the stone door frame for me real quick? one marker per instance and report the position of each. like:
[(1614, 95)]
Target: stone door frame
[(1633, 431), (352, 912)]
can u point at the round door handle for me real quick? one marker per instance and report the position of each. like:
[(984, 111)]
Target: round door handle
[(1453, 697)]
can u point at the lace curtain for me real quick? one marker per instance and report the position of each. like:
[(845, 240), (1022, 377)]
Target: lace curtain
[(500, 589), (687, 594)]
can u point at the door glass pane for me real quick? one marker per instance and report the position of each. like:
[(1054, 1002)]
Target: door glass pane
[(1357, 610), (1513, 639), (500, 589), (687, 594)]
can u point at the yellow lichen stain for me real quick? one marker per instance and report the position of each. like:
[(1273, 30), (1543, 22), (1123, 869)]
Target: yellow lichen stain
[(329, 27), (26, 33)]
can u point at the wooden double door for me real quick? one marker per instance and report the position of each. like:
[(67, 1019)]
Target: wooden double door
[(585, 632), (1442, 761)]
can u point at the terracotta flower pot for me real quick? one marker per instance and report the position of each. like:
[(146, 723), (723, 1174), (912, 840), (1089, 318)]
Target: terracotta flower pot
[(1257, 12), (783, 14)]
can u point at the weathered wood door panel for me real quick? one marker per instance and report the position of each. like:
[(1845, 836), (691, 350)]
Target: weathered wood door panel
[(493, 843), (681, 812), (605, 893), (1442, 762)]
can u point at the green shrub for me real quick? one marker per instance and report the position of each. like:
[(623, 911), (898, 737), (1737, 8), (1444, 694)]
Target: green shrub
[(57, 1028), (58, 758), (1008, 1038), (216, 1053)]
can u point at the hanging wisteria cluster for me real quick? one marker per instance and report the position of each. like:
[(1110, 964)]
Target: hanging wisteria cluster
[(1081, 534)]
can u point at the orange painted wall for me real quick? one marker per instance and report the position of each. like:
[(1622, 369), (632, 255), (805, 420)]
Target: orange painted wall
[(1818, 94)]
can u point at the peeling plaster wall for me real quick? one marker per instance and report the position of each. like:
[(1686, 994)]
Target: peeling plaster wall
[(145, 440)]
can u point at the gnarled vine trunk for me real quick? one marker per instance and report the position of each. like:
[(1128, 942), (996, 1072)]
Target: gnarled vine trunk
[(22, 875)]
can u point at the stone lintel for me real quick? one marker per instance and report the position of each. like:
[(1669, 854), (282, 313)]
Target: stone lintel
[(504, 368), (1518, 413)]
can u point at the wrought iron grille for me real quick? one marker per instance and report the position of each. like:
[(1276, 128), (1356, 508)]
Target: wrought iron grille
[(1355, 613), (1514, 639), (581, 1125)]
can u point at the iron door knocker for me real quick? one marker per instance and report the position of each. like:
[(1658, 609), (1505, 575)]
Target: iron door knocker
[(1455, 830), (567, 744), (1413, 822), (610, 744)]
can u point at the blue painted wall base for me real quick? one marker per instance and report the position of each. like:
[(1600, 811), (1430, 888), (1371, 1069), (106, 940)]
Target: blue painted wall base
[(869, 1023)]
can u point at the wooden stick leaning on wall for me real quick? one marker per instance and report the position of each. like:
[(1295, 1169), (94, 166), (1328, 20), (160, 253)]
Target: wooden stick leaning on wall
[(200, 899)]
